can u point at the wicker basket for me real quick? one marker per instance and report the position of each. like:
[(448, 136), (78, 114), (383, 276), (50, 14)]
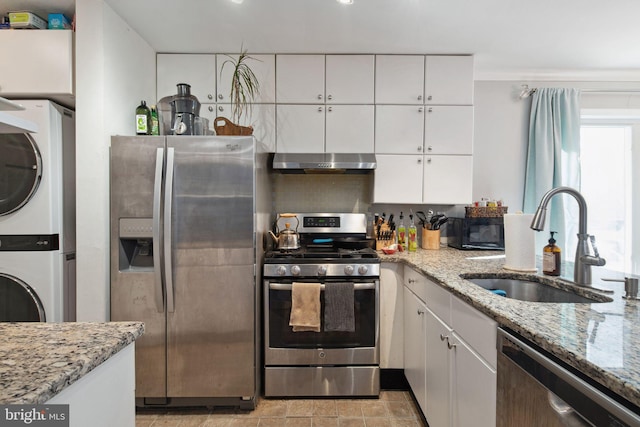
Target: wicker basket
[(224, 126), (485, 211)]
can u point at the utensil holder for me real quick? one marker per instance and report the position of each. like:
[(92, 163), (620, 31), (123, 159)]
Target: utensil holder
[(430, 239)]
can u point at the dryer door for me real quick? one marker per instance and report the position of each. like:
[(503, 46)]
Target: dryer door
[(20, 171), (18, 301)]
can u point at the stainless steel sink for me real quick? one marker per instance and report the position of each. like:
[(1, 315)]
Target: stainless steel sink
[(532, 290)]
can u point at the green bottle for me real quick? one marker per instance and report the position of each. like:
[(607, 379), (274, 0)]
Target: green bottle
[(143, 119), (155, 129), (413, 234), (402, 233)]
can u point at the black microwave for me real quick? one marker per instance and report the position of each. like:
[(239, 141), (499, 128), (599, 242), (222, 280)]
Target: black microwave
[(476, 233)]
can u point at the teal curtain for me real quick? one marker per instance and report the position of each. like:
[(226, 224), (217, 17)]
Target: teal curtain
[(554, 160)]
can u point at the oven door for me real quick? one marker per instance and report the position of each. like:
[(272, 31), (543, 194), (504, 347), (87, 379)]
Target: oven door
[(283, 347)]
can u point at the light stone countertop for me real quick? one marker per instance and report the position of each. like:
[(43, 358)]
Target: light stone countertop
[(602, 340), (38, 360)]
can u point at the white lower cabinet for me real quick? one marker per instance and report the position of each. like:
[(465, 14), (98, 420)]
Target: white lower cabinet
[(453, 381)]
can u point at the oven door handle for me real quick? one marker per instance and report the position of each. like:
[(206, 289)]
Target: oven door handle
[(356, 286)]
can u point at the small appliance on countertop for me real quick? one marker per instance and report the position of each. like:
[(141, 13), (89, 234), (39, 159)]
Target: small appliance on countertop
[(477, 233)]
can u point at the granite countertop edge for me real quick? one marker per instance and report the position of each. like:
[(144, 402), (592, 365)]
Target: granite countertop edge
[(39, 360), (517, 315)]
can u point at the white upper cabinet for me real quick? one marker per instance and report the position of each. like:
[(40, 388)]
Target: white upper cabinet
[(198, 71), (349, 79), (449, 80), (399, 129), (447, 180), (398, 178), (300, 128), (300, 79), (264, 68), (448, 130), (349, 129), (399, 79), (37, 63)]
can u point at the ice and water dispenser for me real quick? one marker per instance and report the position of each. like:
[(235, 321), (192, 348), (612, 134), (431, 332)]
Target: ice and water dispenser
[(136, 244)]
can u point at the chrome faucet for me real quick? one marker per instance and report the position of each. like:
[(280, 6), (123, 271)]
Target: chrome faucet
[(584, 260)]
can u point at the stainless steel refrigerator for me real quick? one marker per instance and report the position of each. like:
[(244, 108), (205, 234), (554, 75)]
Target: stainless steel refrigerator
[(186, 213)]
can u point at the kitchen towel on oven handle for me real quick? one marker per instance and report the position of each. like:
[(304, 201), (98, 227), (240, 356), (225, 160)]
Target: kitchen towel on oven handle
[(305, 307), (339, 313)]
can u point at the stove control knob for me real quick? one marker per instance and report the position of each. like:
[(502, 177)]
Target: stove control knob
[(363, 269), (348, 270), (281, 270), (295, 270), (322, 270)]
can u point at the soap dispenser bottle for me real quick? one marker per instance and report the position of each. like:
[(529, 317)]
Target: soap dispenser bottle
[(551, 257)]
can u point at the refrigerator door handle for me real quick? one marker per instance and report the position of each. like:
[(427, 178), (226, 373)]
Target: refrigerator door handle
[(157, 254), (168, 205)]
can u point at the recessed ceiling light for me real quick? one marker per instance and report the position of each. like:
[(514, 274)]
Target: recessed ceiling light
[(237, 1), (345, 1)]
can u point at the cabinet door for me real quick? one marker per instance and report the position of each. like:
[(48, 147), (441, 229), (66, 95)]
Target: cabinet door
[(448, 130), (438, 372), (199, 71), (300, 79), (264, 68), (399, 79), (398, 179), (415, 346), (449, 80), (399, 129), (474, 389), (349, 79), (300, 128), (36, 63), (447, 179), (349, 129)]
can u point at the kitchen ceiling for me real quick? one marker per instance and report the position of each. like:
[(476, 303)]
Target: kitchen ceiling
[(518, 38)]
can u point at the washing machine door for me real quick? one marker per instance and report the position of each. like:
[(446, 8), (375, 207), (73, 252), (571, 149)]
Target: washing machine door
[(18, 301), (20, 171)]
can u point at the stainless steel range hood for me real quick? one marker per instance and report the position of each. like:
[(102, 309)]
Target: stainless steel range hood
[(324, 162)]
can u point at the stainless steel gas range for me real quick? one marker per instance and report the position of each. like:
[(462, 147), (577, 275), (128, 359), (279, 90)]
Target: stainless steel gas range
[(333, 250)]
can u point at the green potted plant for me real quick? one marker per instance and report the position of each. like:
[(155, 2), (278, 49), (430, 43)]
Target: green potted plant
[(244, 88)]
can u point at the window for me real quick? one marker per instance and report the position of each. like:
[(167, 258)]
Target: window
[(610, 148)]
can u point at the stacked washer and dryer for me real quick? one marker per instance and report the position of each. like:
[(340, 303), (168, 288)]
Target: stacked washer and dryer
[(37, 216)]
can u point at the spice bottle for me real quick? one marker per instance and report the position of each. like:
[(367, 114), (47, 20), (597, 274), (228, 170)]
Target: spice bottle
[(551, 257)]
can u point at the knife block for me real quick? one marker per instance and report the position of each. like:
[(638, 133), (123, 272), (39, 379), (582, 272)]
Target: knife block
[(383, 243)]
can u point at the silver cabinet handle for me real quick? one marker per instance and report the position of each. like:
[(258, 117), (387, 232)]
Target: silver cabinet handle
[(429, 98), (443, 337), (411, 280), (430, 110), (329, 97), (420, 312), (329, 109), (210, 108), (220, 96), (420, 110), (419, 97), (419, 161), (320, 96), (419, 148), (429, 160), (220, 108), (430, 148), (451, 346), (320, 109), (210, 96)]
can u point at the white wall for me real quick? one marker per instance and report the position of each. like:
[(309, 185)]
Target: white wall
[(115, 69)]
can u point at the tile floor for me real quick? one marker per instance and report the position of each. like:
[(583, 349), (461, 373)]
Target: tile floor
[(392, 409)]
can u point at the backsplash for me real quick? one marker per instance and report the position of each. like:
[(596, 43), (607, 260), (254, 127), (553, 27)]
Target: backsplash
[(322, 192)]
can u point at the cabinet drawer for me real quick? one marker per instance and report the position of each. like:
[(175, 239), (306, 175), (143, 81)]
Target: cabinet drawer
[(437, 299), (478, 330)]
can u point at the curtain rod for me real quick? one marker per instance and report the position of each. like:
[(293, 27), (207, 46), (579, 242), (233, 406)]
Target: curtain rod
[(527, 92)]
